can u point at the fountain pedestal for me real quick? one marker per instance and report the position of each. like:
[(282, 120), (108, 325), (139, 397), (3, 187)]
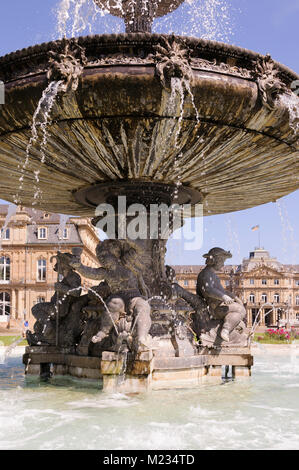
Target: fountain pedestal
[(148, 371)]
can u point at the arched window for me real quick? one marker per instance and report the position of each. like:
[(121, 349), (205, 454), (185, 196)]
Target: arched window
[(4, 269), (252, 298), (41, 270), (264, 298), (4, 303), (276, 298)]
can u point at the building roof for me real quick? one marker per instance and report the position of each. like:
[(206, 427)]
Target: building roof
[(53, 235), (39, 218)]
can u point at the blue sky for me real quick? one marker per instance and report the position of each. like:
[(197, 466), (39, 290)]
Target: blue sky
[(266, 26)]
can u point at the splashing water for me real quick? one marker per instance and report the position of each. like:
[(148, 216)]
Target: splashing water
[(10, 348), (288, 235), (179, 86), (76, 17), (292, 103), (40, 121), (121, 378), (233, 238), (209, 19)]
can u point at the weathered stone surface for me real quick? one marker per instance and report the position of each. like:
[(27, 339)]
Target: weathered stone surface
[(60, 369), (141, 368), (118, 126), (112, 367), (180, 362), (132, 384), (32, 369), (215, 371), (230, 359), (84, 373), (241, 371), (62, 359), (181, 378)]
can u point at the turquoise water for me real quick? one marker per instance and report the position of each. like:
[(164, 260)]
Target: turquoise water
[(256, 413)]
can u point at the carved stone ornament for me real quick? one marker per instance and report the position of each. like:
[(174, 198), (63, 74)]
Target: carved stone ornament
[(172, 58), (268, 80), (214, 65), (68, 65)]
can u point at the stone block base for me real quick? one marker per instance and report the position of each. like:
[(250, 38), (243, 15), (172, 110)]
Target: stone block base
[(147, 371)]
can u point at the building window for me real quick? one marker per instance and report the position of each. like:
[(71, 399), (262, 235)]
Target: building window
[(252, 282), (297, 299), (264, 298), (41, 270), (227, 283), (40, 300), (5, 234), (276, 298), (42, 233), (252, 298), (264, 282), (65, 233), (4, 303), (297, 282), (4, 269), (276, 282), (186, 283)]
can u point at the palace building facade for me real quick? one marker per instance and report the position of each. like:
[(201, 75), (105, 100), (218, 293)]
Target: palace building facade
[(28, 242), (266, 287)]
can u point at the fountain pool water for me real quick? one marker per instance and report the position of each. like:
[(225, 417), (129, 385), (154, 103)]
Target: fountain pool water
[(260, 413)]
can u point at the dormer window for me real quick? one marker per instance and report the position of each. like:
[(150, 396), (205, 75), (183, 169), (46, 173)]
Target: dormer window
[(264, 282), (42, 233), (63, 234)]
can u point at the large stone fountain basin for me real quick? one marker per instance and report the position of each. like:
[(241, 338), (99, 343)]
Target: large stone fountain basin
[(121, 124)]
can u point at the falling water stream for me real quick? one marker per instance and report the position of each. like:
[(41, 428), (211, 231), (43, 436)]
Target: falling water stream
[(40, 122)]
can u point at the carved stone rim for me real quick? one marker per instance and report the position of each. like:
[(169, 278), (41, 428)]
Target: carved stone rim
[(201, 48)]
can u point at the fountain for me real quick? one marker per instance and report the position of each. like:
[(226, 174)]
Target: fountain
[(151, 121)]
